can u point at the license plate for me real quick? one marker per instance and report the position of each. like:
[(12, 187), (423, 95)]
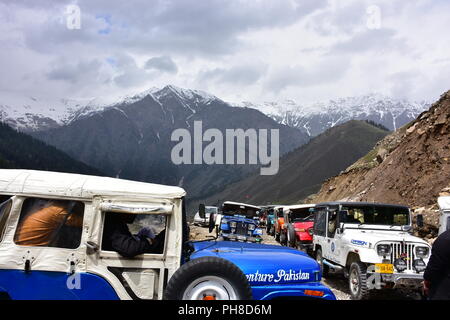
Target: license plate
[(384, 268)]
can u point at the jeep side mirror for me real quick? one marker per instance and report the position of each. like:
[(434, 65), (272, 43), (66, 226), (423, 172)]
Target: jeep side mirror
[(419, 220), (202, 210)]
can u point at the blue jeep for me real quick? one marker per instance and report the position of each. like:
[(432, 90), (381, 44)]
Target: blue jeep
[(75, 264), (240, 222)]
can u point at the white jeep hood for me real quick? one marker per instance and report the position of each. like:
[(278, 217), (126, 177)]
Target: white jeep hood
[(375, 236)]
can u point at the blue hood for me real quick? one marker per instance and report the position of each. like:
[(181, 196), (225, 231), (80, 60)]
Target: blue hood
[(240, 218), (262, 264)]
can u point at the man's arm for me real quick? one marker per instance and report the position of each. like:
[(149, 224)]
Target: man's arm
[(130, 246), (439, 263)]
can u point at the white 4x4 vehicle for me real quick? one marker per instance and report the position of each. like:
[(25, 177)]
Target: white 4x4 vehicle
[(371, 243)]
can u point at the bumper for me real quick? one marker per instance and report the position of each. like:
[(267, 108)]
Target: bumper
[(238, 237), (292, 291), (413, 280)]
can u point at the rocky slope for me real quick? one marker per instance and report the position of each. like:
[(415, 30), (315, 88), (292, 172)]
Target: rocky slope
[(411, 166)]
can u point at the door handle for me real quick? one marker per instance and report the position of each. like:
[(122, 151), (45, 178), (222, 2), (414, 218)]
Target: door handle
[(92, 247)]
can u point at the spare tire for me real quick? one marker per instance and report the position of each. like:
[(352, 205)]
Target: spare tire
[(208, 278)]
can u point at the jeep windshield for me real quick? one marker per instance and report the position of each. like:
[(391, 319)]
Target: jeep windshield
[(302, 215), (375, 215), (242, 210)]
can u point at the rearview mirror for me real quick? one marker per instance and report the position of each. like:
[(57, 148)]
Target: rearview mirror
[(419, 220), (202, 210)]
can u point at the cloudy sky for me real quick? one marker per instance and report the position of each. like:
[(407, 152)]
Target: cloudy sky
[(239, 50)]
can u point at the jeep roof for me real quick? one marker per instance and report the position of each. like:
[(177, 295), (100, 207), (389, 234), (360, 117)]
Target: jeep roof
[(30, 182), (238, 204), (444, 203), (361, 204)]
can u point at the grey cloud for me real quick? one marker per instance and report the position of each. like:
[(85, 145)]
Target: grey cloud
[(371, 40), (163, 64), (190, 26), (75, 72), (242, 75), (129, 72), (329, 70)]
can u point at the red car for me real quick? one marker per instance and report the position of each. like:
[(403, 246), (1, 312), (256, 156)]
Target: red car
[(298, 226)]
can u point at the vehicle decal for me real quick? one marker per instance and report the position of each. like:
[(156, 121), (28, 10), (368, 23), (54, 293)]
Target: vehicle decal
[(359, 242), (281, 276)]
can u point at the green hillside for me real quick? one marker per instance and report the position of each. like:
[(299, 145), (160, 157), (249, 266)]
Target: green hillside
[(21, 151)]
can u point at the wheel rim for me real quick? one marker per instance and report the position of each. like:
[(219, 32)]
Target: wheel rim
[(210, 288), (354, 282)]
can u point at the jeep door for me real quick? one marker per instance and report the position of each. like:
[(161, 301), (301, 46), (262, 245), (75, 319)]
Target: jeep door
[(144, 276), (41, 251), (320, 229)]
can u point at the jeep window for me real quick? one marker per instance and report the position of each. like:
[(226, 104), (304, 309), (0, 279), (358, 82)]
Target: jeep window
[(50, 223), (301, 215), (448, 224), (134, 234), (5, 208), (320, 222), (375, 215)]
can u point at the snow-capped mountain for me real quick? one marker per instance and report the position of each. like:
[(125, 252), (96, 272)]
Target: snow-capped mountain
[(33, 114), (316, 118)]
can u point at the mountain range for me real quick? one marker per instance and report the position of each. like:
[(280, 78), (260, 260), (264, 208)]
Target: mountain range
[(132, 139), (318, 117)]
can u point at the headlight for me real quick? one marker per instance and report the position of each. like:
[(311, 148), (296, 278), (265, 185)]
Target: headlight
[(400, 265), (419, 265), (311, 231), (422, 252), (384, 249), (251, 227), (233, 224)]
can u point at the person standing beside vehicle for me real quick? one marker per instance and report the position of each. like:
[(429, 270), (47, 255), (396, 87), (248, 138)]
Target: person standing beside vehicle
[(437, 273)]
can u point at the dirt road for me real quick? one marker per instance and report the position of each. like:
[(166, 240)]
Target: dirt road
[(336, 282)]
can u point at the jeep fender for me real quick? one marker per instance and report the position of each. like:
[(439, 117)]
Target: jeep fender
[(364, 255)]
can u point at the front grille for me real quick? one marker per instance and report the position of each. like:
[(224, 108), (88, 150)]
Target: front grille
[(403, 250), (241, 228)]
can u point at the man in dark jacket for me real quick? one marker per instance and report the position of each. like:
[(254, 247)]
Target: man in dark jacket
[(117, 237), (437, 274)]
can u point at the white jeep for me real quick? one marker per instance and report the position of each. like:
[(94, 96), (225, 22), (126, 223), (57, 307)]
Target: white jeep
[(371, 243)]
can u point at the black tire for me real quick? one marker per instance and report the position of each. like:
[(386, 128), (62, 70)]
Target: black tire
[(324, 269), (277, 237), (360, 271), (207, 266), (291, 237), (283, 238)]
